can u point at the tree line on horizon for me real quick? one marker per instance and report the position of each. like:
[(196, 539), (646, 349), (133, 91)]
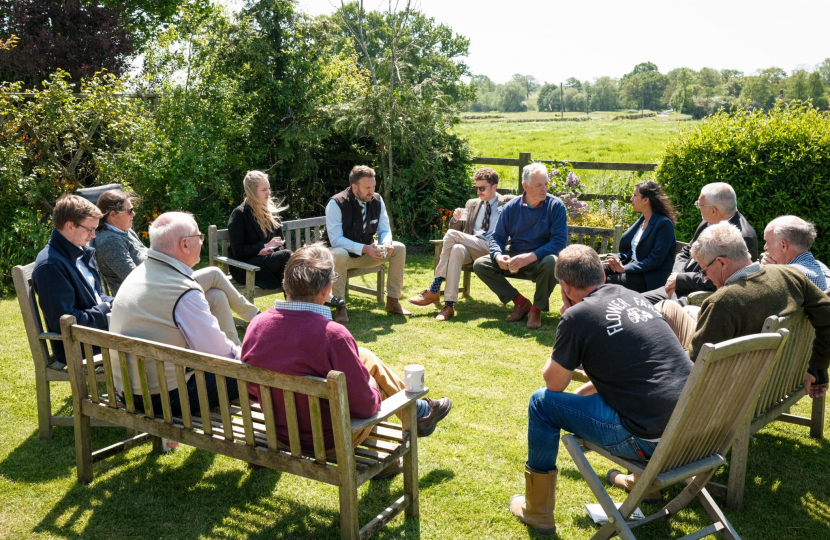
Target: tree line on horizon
[(698, 93)]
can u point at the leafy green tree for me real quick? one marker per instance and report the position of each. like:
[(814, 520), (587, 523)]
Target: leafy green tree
[(513, 97), (824, 70), (817, 90), (605, 95), (643, 67), (529, 83), (682, 97), (758, 89), (572, 82), (727, 74), (797, 86), (643, 90), (549, 98), (709, 79), (144, 18)]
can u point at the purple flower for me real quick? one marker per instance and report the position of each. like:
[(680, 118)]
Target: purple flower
[(553, 173), (572, 180)]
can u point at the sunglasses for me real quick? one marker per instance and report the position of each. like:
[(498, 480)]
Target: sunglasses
[(482, 189)]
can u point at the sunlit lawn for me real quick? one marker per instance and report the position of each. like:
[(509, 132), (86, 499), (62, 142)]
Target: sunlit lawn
[(469, 467)]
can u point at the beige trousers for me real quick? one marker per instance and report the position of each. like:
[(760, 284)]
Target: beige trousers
[(459, 249), (388, 382), (343, 262), (222, 297), (681, 321)]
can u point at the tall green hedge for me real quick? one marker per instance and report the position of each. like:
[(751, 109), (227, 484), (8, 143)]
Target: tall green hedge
[(778, 162)]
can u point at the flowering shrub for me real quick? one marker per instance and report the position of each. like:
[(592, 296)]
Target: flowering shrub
[(443, 225), (565, 184)]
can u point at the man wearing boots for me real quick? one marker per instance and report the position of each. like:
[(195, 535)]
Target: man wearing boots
[(631, 396), (353, 217), (467, 240), (531, 232)]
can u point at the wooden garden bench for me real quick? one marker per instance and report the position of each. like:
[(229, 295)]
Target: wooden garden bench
[(46, 371), (723, 386), (297, 233), (246, 431)]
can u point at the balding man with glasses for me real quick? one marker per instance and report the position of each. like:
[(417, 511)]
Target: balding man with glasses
[(717, 202)]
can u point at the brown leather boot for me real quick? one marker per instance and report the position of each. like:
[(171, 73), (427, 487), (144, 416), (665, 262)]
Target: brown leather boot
[(534, 320), (446, 314), (519, 312), (627, 481), (341, 315), (394, 306), (426, 298), (536, 507)]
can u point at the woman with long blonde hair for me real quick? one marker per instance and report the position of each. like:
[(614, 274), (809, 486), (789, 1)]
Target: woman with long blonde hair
[(255, 231)]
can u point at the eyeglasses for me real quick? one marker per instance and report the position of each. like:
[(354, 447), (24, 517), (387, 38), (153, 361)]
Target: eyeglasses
[(482, 189), (705, 268), (699, 206), (88, 230), (335, 277), (131, 211), (200, 235)]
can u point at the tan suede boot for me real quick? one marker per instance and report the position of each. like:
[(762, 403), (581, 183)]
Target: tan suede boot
[(627, 481), (536, 507)]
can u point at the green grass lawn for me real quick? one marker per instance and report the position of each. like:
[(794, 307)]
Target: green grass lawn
[(599, 139), (469, 467)]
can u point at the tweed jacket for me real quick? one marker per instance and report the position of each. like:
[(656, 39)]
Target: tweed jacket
[(473, 206)]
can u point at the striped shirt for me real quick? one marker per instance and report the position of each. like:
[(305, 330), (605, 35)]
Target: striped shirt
[(743, 272), (303, 306), (811, 268)]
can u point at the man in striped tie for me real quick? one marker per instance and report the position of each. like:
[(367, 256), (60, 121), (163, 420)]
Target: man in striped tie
[(467, 240), (353, 217)]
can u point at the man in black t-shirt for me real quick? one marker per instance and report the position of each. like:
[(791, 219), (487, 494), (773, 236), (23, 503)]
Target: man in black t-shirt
[(637, 370)]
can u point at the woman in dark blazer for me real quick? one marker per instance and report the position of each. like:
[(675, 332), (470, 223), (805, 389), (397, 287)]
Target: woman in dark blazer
[(256, 234), (647, 248)]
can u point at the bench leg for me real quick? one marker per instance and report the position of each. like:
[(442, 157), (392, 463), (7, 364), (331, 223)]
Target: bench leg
[(44, 404), (250, 285), (381, 283), (817, 419), (737, 470), (409, 420), (83, 448), (467, 275), (349, 524)]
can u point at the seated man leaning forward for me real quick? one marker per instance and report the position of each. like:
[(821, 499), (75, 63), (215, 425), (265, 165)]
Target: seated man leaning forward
[(65, 276), (467, 240), (161, 301), (353, 217), (787, 240), (747, 293), (298, 337), (632, 393), (531, 232)]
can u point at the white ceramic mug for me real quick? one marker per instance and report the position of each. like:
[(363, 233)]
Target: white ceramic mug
[(413, 378), (382, 250)]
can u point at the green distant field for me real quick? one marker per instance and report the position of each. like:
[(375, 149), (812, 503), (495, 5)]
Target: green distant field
[(599, 139)]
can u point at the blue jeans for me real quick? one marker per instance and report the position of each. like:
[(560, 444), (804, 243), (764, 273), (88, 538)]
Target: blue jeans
[(587, 417)]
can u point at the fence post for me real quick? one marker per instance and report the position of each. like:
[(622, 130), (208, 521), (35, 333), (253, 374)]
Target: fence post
[(524, 161)]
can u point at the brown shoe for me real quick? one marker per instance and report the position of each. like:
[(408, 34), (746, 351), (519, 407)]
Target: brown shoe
[(341, 316), (627, 481), (535, 509), (426, 298), (534, 320), (395, 307), (446, 314), (519, 312), (438, 409)]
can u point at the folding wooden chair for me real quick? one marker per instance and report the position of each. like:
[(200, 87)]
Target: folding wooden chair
[(722, 387)]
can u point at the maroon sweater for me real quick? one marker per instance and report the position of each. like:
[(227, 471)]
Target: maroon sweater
[(306, 343)]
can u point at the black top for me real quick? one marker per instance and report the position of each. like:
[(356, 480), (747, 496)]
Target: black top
[(630, 354), (655, 251), (246, 241), (352, 217)]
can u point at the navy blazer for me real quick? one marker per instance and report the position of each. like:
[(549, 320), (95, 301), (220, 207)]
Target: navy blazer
[(655, 252), (63, 290)]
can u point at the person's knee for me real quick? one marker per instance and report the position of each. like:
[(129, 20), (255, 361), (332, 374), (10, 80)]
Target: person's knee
[(214, 298), (452, 235), (400, 249), (482, 264), (536, 401), (459, 251), (548, 263), (341, 256)]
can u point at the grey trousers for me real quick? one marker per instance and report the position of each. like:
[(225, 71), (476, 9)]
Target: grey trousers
[(541, 272)]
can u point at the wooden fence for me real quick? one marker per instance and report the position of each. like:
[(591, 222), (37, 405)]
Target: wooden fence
[(525, 159)]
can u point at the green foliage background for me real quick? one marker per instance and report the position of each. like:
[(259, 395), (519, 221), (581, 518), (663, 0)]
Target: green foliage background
[(778, 162)]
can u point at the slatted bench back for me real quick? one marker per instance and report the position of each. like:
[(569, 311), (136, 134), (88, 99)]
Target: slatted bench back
[(787, 377)]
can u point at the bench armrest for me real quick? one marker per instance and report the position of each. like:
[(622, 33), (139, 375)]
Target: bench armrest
[(441, 241), (238, 264), (388, 407)]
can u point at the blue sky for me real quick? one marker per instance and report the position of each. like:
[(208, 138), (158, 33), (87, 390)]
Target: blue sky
[(553, 40)]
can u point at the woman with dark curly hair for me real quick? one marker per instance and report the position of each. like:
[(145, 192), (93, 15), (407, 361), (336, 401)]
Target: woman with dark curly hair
[(647, 248)]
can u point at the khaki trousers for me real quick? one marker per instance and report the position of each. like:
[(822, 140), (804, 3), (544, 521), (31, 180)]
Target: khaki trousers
[(222, 297), (388, 382), (343, 262), (681, 321), (459, 249)]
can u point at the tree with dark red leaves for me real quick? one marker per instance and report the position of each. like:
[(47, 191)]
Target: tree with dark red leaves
[(71, 35)]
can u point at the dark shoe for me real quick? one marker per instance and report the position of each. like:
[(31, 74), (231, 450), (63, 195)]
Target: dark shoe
[(341, 316), (534, 320), (58, 365), (394, 306), (627, 481), (446, 314), (426, 298), (391, 471), (438, 409), (336, 302), (519, 312)]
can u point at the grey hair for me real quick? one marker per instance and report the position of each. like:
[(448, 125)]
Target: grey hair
[(168, 229), (721, 240), (307, 272), (530, 170), (579, 266), (799, 233), (721, 196)]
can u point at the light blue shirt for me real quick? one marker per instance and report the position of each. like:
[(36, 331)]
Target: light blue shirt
[(334, 228), (494, 219), (198, 325), (810, 266), (87, 273), (303, 306)]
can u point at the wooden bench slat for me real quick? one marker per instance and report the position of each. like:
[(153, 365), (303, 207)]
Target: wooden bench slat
[(317, 429), (184, 399), (145, 388), (164, 393), (224, 406), (266, 403), (111, 400), (291, 420), (245, 405), (128, 386), (90, 367), (204, 402)]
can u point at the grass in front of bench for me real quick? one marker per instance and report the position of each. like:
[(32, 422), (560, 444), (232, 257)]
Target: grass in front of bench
[(469, 467)]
